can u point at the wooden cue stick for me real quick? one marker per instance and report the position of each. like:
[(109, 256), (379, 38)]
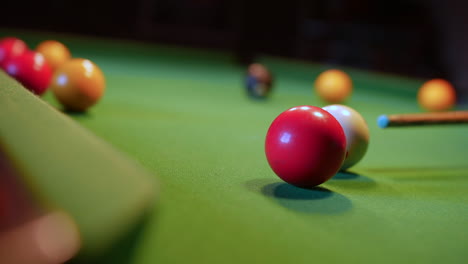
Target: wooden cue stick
[(422, 119)]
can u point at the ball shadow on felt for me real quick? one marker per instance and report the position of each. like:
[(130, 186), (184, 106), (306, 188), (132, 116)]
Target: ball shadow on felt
[(346, 175), (352, 180), (77, 114), (317, 200)]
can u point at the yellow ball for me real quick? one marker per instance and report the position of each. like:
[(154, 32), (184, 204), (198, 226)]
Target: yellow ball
[(437, 95), (54, 52), (333, 86), (78, 84)]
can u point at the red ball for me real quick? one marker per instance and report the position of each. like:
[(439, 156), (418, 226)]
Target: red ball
[(305, 146), (10, 48), (31, 70)]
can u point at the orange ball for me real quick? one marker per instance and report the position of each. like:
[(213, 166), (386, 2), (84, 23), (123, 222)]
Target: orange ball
[(333, 86), (437, 95), (78, 84), (54, 52)]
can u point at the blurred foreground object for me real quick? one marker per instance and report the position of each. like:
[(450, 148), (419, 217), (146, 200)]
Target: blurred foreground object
[(50, 239), (60, 166)]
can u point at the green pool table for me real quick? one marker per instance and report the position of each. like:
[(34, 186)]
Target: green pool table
[(184, 116)]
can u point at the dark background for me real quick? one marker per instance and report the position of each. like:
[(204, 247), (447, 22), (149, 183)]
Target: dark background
[(417, 38)]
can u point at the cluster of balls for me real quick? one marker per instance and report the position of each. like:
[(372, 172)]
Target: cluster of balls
[(307, 145), (76, 83)]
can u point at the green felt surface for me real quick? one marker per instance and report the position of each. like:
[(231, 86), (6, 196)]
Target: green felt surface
[(183, 114)]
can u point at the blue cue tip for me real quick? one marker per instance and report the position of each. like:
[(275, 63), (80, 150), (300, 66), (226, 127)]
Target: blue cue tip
[(383, 121)]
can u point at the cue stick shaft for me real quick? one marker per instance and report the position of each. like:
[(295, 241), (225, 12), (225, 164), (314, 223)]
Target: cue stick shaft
[(422, 119)]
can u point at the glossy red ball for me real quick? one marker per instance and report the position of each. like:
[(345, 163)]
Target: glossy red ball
[(31, 70), (305, 146), (11, 47)]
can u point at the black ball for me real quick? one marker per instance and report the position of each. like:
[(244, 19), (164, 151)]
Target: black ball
[(259, 81)]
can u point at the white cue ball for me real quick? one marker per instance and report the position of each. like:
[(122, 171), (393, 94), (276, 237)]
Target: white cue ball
[(356, 132)]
